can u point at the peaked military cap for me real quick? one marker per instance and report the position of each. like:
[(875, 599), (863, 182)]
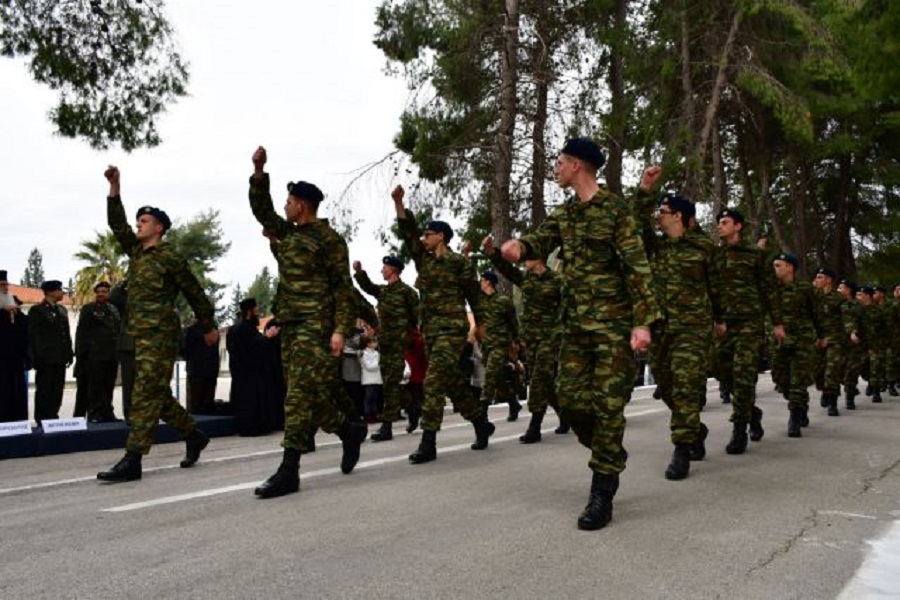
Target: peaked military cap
[(102, 284), (849, 283), (393, 261), (51, 286), (305, 190), (441, 227), (826, 272), (585, 149), (247, 304), (733, 213), (490, 276), (787, 257), (678, 204), (157, 214)]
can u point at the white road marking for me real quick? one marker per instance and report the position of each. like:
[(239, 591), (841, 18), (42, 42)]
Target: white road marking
[(841, 513), (877, 577)]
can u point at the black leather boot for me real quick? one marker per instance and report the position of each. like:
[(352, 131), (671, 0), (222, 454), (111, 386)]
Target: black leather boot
[(892, 389), (286, 479), (515, 407), (310, 441), (415, 413), (869, 389), (832, 406), (876, 396), (698, 449), (127, 469), (756, 428), (384, 433), (598, 512), (738, 442), (484, 429), (824, 400), (352, 433), (794, 426), (563, 428), (533, 433), (804, 417), (427, 450), (680, 465), (726, 397), (194, 443), (850, 401)]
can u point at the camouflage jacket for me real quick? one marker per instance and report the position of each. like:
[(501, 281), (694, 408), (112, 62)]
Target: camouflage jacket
[(445, 283), (858, 317), (880, 326), (606, 275), (49, 337), (398, 308), (155, 277), (748, 284), (97, 334), (499, 319), (314, 287), (833, 313), (686, 280), (541, 297), (798, 310)]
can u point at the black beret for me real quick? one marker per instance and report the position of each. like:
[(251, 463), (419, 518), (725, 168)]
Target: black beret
[(787, 257), (879, 288), (393, 261), (678, 204), (849, 283), (585, 149), (157, 214), (102, 284), (51, 286), (305, 190), (490, 276), (441, 227), (247, 304), (826, 272), (734, 213), (865, 290)]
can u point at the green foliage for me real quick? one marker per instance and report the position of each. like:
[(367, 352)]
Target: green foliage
[(113, 64), (263, 289), (34, 270), (104, 260)]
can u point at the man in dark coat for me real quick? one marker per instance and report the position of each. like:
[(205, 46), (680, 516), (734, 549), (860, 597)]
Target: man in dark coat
[(202, 371), (51, 350), (95, 348), (13, 356), (247, 354)]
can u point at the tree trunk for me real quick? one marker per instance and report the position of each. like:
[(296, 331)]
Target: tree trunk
[(842, 246), (542, 76), (688, 110), (617, 116)]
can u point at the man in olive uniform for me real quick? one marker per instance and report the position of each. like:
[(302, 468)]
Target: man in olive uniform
[(51, 350), (157, 274), (446, 282), (833, 315), (893, 358), (873, 335), (793, 364), (316, 306), (398, 312), (118, 297), (501, 326), (95, 349), (541, 293), (882, 325), (854, 345), (607, 310), (686, 283), (747, 297)]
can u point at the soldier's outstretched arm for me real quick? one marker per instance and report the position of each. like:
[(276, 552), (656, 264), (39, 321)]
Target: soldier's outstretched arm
[(406, 223), (261, 200), (115, 213), (189, 286), (362, 278)]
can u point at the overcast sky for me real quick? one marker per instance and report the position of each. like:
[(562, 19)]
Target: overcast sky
[(301, 78)]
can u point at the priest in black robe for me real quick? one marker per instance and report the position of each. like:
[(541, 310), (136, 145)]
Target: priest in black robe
[(13, 356), (248, 352)]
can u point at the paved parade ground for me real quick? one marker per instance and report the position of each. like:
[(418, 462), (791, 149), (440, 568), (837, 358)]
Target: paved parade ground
[(791, 518)]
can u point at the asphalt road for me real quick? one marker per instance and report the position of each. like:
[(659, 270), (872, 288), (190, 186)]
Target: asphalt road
[(791, 518)]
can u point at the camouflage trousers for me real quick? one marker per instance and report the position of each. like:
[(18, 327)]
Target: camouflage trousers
[(311, 378), (542, 358), (596, 375), (497, 386), (892, 369), (877, 364), (151, 398), (678, 361), (391, 365), (443, 380), (738, 354), (830, 367), (854, 363), (793, 371)]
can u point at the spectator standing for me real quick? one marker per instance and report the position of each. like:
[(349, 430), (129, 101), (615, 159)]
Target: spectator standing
[(202, 367), (13, 356), (98, 329), (371, 378), (51, 350)]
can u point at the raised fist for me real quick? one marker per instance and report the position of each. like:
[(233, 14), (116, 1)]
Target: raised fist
[(112, 174), (259, 159), (650, 177), (357, 266), (487, 244), (398, 193)]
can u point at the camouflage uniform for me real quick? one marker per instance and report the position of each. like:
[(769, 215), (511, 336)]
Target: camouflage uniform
[(878, 345), (833, 314), (855, 354), (156, 275), (892, 370), (747, 294), (50, 344), (793, 367), (398, 309), (605, 294), (501, 327), (541, 295), (315, 299), (445, 284), (95, 348)]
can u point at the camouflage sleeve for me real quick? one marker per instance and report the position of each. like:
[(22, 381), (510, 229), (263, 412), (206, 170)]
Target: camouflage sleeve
[(362, 278), (714, 285), (768, 287), (273, 248), (812, 300), (261, 205), (189, 286), (471, 289), (409, 233), (365, 310), (545, 239), (118, 223), (644, 205), (513, 273), (412, 307), (338, 266), (512, 319), (636, 270)]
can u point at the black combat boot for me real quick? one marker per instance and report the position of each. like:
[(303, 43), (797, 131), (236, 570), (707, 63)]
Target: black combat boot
[(194, 444), (127, 469), (384, 433), (515, 407), (310, 441), (533, 433), (794, 426), (598, 512), (738, 442), (756, 428), (876, 396), (726, 396), (484, 429), (352, 433), (892, 389), (698, 449), (414, 412), (850, 401), (869, 389), (427, 450), (824, 400), (286, 479), (804, 417), (564, 427), (680, 465), (832, 406)]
